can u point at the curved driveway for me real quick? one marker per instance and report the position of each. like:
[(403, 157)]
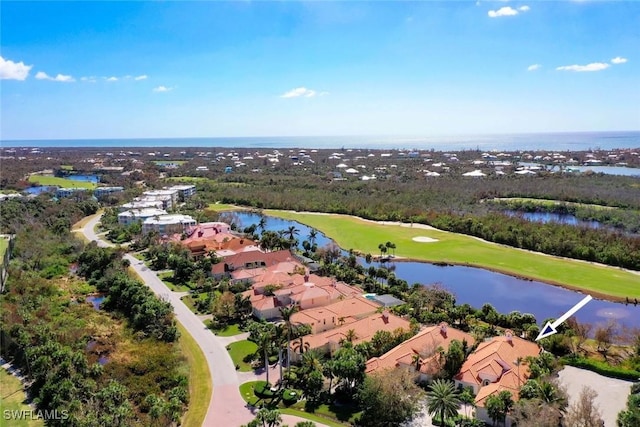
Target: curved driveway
[(227, 407)]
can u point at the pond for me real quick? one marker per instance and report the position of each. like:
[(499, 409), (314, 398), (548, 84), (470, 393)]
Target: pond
[(85, 178), (607, 170), (95, 300), (555, 217), (477, 286)]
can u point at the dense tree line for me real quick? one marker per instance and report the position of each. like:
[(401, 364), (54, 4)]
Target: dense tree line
[(105, 268)]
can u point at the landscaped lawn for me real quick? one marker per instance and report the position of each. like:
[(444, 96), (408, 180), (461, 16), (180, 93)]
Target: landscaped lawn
[(12, 398), (239, 350), (219, 207), (354, 233), (167, 279), (228, 331), (200, 384), (321, 416), (61, 182)]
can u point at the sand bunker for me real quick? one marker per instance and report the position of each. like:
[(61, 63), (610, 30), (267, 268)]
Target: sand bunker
[(424, 239)]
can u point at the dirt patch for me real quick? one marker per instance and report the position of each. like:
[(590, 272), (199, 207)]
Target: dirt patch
[(424, 239)]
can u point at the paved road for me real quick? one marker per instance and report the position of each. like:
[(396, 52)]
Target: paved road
[(227, 408)]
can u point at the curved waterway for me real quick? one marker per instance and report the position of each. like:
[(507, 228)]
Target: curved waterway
[(477, 286)]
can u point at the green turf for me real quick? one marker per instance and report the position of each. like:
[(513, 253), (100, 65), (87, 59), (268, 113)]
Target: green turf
[(239, 350), (12, 398), (167, 279), (4, 244), (220, 207), (200, 383), (354, 233), (61, 182), (228, 331), (246, 391)]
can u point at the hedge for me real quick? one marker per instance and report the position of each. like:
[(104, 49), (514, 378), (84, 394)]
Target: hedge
[(289, 397), (262, 389), (602, 368)]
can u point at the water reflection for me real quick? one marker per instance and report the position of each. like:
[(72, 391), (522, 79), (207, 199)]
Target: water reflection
[(476, 286)]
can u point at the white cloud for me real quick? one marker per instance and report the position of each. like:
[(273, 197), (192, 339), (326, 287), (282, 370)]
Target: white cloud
[(162, 89), (111, 79), (524, 8), (618, 60), (10, 70), (90, 79), (41, 75), (142, 77), (302, 91), (534, 67), (594, 66), (503, 11)]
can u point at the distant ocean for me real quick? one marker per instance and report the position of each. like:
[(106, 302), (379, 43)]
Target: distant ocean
[(569, 141)]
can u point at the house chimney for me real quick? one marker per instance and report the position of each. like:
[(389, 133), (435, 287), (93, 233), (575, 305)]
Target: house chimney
[(443, 329), (200, 233), (509, 335), (306, 278), (385, 316)]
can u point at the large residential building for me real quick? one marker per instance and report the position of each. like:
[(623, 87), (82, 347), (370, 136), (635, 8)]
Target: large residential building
[(420, 352), (214, 236), (497, 364), (169, 198), (339, 313), (145, 204), (359, 331), (184, 191), (139, 215), (103, 191), (168, 224), (68, 192)]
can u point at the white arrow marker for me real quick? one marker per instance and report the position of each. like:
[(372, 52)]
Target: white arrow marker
[(550, 328)]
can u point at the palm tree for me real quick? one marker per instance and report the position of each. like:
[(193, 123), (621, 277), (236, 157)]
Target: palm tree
[(313, 234), (300, 345), (286, 313), (291, 232), (265, 343), (350, 336), (499, 405), (312, 361), (262, 224), (443, 399), (383, 249), (269, 417)]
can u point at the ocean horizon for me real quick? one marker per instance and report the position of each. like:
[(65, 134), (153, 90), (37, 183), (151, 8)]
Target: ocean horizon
[(557, 141)]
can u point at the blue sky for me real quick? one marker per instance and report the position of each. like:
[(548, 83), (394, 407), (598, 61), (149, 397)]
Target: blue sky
[(242, 68)]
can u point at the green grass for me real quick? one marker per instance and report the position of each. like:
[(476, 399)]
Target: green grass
[(229, 331), (167, 279), (4, 245), (324, 416), (12, 398), (239, 350), (200, 383), (66, 167), (364, 236), (219, 207), (61, 182)]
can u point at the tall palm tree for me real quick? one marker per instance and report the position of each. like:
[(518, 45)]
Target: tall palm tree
[(265, 343), (286, 313), (262, 224), (350, 336), (300, 345), (291, 232), (312, 361), (443, 400)]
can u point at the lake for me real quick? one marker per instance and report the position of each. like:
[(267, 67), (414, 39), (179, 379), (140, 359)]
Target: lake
[(555, 217), (476, 286)]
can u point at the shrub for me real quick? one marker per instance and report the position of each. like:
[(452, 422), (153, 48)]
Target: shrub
[(602, 368), (262, 389), (289, 397)]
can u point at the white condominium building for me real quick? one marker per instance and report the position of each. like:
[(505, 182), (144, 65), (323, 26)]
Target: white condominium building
[(133, 215), (184, 191), (168, 224), (168, 196)]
